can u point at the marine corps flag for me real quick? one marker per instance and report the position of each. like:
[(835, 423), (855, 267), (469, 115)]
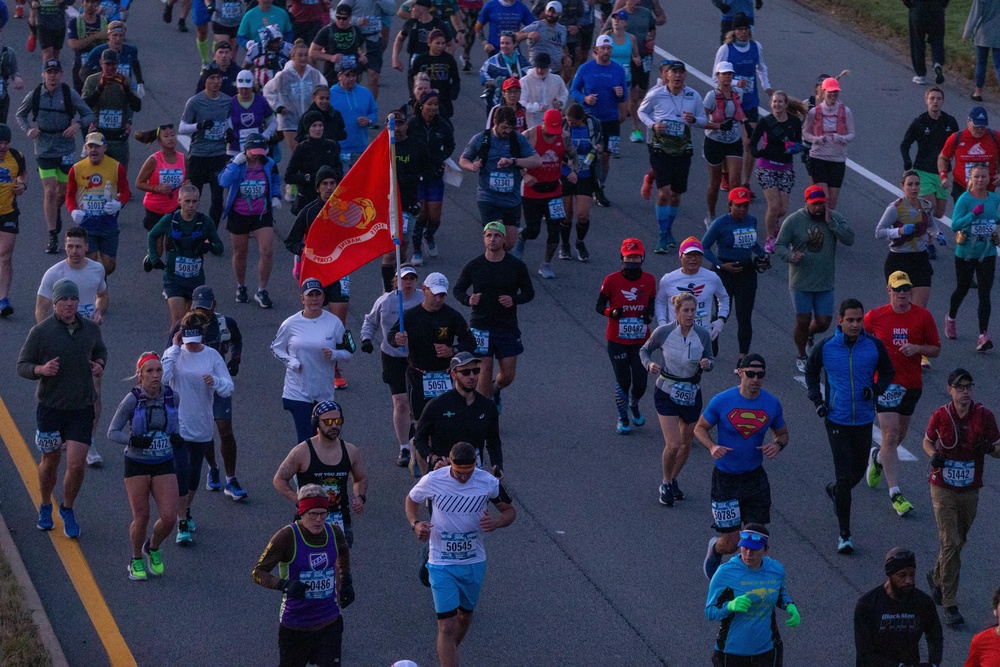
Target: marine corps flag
[(353, 228)]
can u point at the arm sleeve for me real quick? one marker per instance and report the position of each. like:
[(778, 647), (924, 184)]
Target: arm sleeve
[(29, 356), (660, 304), (886, 372), (653, 343), (71, 190), (576, 88), (813, 367), (644, 107), (137, 68), (706, 345), (493, 444), (762, 67), (369, 324), (213, 235), (709, 239), (849, 119), (721, 295), (525, 288), (719, 593), (783, 244), (281, 549), (84, 111), (932, 631), (235, 338), (295, 241), (758, 133), (961, 217), (841, 230), (808, 125), (168, 360), (223, 380), (120, 430), (124, 193), (904, 146), (422, 435)]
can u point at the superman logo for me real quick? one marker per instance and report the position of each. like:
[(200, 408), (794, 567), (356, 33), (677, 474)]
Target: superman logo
[(747, 422)]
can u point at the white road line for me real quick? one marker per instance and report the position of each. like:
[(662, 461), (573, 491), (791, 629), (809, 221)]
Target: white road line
[(904, 453)]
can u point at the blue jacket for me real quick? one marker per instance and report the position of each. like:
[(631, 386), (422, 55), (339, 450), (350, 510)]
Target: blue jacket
[(755, 631), (233, 175), (849, 370)]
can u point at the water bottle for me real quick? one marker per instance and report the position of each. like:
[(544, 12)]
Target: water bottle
[(107, 192)]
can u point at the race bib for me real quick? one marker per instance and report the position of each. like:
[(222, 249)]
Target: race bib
[(745, 237), (958, 473), (683, 393), (69, 160), (252, 189), (110, 119), (336, 519), (502, 181), (86, 310), (172, 177), (187, 267), (647, 63), (125, 69), (749, 88), (458, 546), (93, 204), (244, 133), (319, 583), (892, 397), (436, 383), (984, 228), (232, 10), (345, 159), (556, 209), (482, 341), (217, 132), (348, 61), (631, 328), (675, 128), (345, 285), (614, 145), (48, 441), (726, 513), (160, 444)]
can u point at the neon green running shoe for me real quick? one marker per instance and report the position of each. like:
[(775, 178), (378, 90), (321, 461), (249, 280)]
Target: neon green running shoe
[(873, 475), (901, 504), (155, 562), (137, 570)]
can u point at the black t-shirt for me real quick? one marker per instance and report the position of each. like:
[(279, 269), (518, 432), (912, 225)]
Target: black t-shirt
[(508, 277), (425, 329), (887, 631), (445, 77), (447, 419), (412, 163), (333, 40), (416, 33)]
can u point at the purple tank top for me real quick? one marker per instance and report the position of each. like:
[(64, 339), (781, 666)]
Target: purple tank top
[(316, 567)]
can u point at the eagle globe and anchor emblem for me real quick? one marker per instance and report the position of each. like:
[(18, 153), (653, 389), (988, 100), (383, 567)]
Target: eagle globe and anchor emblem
[(357, 214)]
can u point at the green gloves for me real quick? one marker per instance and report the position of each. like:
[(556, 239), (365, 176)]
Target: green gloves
[(793, 616), (740, 605)]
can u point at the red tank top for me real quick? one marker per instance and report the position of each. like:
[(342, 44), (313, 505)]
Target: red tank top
[(548, 183), (165, 173)]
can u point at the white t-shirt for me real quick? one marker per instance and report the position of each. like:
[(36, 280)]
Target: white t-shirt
[(184, 371), (89, 281), (456, 538), (299, 345), (706, 287)]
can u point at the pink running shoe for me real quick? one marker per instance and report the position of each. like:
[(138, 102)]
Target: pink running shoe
[(950, 330)]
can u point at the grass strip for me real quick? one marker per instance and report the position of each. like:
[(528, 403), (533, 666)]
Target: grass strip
[(19, 642)]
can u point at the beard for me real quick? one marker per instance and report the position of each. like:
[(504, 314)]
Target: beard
[(903, 593)]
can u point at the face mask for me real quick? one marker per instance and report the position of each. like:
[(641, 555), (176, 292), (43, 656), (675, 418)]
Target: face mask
[(632, 270)]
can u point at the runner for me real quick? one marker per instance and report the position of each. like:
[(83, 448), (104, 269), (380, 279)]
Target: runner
[(907, 331), (315, 563), (313, 152), (49, 28), (14, 185), (128, 58), (829, 127), (290, 91), (599, 85), (670, 111), (264, 14), (624, 51), (985, 647), (502, 16), (267, 55), (852, 359), (498, 68), (62, 353), (438, 135), (198, 373), (548, 35), (510, 96), (383, 315), (303, 344), (741, 492), (457, 564), (967, 148), (146, 423), (705, 285), (585, 133), (223, 58), (373, 17), (541, 90), (53, 106), (930, 130), (83, 33), (749, 631), (974, 221), (161, 175), (958, 437), (206, 119), (687, 353), (723, 150), (328, 460), (357, 107), (640, 23), (781, 133), (469, 10), (250, 113), (890, 619), (442, 69), (808, 242), (627, 299), (415, 34), (95, 194), (333, 122), (225, 24), (339, 44), (110, 97)]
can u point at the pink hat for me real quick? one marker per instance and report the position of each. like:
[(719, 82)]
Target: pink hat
[(831, 84), (690, 244)]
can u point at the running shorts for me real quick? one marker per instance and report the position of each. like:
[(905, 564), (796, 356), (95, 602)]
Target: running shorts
[(812, 303), (55, 167), (739, 499), (9, 222), (824, 171), (584, 186), (716, 152), (612, 131), (431, 189), (930, 184), (394, 373), (135, 468), (668, 408), (891, 401), (499, 344), (244, 224), (222, 408), (56, 426), (454, 586), (670, 170), (104, 241), (917, 265)]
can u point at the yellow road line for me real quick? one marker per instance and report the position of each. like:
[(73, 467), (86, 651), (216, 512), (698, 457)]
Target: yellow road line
[(69, 551)]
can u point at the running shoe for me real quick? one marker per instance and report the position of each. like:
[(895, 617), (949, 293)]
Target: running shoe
[(919, 80), (45, 517), (662, 245), (213, 482), (647, 186), (901, 504), (565, 252), (191, 526), (417, 259), (234, 490), (403, 459), (581, 251), (518, 249), (800, 364), (976, 98), (769, 245), (637, 417), (925, 363), (339, 381), (678, 494), (810, 343), (168, 12), (183, 533), (155, 561), (950, 330), (712, 559), (831, 492), (263, 299), (241, 294), (666, 495), (137, 570), (938, 74), (181, 25), (635, 137), (71, 528), (873, 473), (601, 199), (845, 545), (52, 247), (545, 271), (724, 185), (983, 343), (934, 589), (94, 458), (623, 427), (32, 41), (952, 616), (6, 310), (431, 246)]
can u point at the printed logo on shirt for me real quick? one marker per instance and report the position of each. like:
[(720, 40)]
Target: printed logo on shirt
[(976, 149), (247, 118), (94, 181), (631, 295), (448, 414), (5, 175), (900, 336), (692, 289), (443, 333), (747, 422), (318, 561)]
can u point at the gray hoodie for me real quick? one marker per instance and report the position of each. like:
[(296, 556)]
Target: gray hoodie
[(52, 121), (983, 24)]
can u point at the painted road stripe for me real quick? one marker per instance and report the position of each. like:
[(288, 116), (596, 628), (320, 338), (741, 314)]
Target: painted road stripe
[(69, 551)]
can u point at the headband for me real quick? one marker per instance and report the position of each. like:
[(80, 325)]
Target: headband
[(315, 502), (143, 359)]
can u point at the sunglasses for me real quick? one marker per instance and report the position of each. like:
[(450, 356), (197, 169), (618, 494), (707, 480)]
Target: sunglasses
[(753, 536), (753, 375), (467, 371), (330, 421), (963, 387), (902, 288)]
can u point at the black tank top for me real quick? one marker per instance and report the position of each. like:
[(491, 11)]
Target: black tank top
[(331, 477)]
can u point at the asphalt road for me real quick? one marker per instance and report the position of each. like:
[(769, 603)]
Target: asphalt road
[(594, 571)]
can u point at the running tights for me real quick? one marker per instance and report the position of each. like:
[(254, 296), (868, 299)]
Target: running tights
[(629, 374), (742, 289), (850, 446), (984, 270)]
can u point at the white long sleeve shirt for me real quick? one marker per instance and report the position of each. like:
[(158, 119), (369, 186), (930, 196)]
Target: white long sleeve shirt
[(299, 345), (537, 92), (384, 315), (185, 372), (706, 287)]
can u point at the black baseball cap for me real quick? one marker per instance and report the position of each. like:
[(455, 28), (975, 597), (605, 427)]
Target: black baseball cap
[(957, 375), (753, 359)]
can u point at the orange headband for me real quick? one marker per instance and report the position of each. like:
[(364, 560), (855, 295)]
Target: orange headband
[(143, 359)]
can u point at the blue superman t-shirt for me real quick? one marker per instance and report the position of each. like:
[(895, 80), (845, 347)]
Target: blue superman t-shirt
[(742, 425)]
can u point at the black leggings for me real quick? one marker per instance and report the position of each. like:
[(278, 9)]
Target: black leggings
[(850, 446), (206, 170), (630, 375), (984, 270), (742, 289)]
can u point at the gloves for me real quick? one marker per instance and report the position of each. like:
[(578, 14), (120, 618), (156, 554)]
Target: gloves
[(725, 8), (203, 248), (176, 440), (147, 264), (293, 589), (793, 613), (205, 124), (112, 207), (240, 158), (346, 593), (648, 315), (159, 265), (230, 137), (715, 328), (140, 91), (937, 461), (367, 347), (615, 314), (822, 411), (907, 229), (726, 125), (793, 148), (867, 393), (140, 441), (740, 605), (985, 447), (275, 203), (942, 239), (78, 216), (979, 208), (233, 366)]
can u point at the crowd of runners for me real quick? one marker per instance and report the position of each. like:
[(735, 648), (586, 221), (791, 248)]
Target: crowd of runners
[(287, 101)]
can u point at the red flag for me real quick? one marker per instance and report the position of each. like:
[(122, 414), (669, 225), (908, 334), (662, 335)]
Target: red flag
[(353, 228)]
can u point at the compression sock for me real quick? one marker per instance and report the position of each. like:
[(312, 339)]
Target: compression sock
[(671, 212), (388, 271), (621, 402), (663, 218), (565, 229), (203, 51), (582, 227)]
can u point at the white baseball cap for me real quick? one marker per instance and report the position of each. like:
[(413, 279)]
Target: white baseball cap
[(437, 283), (244, 79), (604, 40), (723, 67), (556, 5)]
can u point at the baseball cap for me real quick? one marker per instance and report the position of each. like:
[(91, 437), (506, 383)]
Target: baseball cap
[(741, 20), (690, 244), (244, 79), (52, 64), (621, 14), (95, 138), (311, 285), (633, 246), (814, 194), (202, 297), (496, 226), (511, 83), (899, 278), (404, 663), (676, 65), (407, 271), (831, 84), (724, 66), (739, 196), (552, 121), (752, 359), (752, 539), (958, 374), (109, 56), (604, 40), (437, 283), (256, 144), (211, 69), (463, 359), (344, 10), (554, 4), (542, 60), (979, 117)]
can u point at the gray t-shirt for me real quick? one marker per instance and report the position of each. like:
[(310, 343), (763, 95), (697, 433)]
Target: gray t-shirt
[(552, 40), (498, 186), (208, 143)]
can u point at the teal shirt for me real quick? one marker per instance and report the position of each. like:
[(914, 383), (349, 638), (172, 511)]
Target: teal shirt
[(978, 228)]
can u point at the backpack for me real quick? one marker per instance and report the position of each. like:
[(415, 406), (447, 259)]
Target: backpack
[(176, 235), (36, 102), (484, 150), (81, 26)]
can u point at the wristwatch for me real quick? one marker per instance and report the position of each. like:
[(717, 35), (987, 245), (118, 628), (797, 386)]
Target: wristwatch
[(513, 162)]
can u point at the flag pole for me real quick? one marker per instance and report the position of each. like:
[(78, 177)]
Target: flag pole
[(394, 225)]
